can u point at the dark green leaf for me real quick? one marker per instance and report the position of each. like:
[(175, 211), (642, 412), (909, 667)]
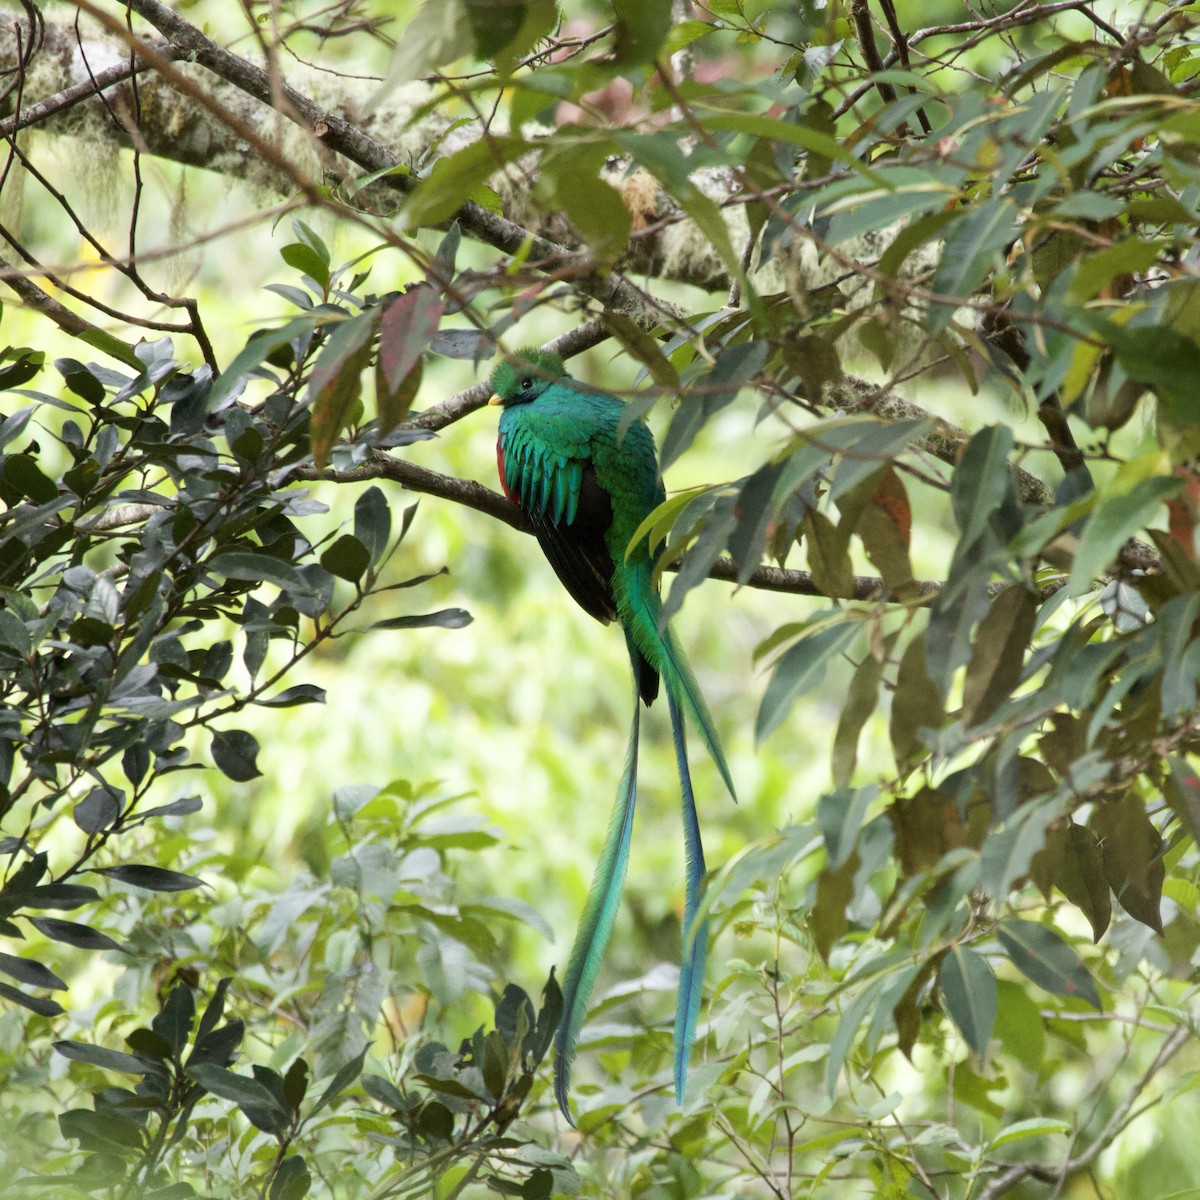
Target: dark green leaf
[(43, 1008), (969, 990), (101, 1056), (971, 246), (73, 934), (96, 811), (840, 816), (373, 522), (261, 1107), (1044, 957), (22, 473), (347, 558), (236, 754), (25, 970), (300, 693), (153, 879), (259, 568), (447, 618), (345, 1076), (292, 1180), (174, 1023)]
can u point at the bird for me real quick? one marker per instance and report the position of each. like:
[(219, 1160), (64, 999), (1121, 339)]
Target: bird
[(586, 475)]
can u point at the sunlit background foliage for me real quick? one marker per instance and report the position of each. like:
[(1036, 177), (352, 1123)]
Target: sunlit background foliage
[(297, 823)]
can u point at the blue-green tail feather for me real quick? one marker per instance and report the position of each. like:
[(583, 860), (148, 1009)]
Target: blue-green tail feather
[(640, 609), (596, 924), (695, 934)]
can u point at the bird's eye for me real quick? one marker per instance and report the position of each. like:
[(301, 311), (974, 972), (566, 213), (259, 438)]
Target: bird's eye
[(526, 384)]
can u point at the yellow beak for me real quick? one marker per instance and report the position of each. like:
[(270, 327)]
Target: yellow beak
[(495, 399)]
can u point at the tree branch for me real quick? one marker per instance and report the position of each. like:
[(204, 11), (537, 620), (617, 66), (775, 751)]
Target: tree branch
[(482, 499)]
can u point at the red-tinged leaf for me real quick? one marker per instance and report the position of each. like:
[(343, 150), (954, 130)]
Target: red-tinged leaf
[(334, 385), (890, 497), (406, 328), (1043, 956), (392, 404)]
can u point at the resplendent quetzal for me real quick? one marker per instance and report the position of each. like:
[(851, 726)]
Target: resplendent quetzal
[(586, 485)]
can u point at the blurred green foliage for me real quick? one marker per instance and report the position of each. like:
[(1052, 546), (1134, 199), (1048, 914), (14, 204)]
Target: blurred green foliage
[(295, 822)]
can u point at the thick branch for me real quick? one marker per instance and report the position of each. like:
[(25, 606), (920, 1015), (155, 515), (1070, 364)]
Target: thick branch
[(474, 495)]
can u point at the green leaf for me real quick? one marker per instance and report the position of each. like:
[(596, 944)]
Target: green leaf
[(735, 367), (373, 522), (998, 653), (174, 1023), (101, 1056), (259, 568), (1132, 854), (262, 1108), (437, 34), (291, 1181), (840, 816), (457, 178), (916, 704), (643, 346), (260, 346), (969, 990), (798, 135), (800, 669), (347, 558), (304, 258), (1044, 957), (970, 249), (236, 754), (1031, 1127), (981, 481), (446, 618), (1113, 522), (344, 1077), (641, 28), (828, 555), (297, 694), (22, 473)]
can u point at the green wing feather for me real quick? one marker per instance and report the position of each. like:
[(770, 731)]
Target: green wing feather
[(596, 924)]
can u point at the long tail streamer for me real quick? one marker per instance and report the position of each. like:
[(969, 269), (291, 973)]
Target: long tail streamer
[(695, 934), (596, 924), (641, 609)]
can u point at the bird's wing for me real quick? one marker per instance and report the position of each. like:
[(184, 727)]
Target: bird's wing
[(569, 510)]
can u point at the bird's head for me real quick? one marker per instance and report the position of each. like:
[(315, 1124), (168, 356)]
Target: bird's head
[(525, 377)]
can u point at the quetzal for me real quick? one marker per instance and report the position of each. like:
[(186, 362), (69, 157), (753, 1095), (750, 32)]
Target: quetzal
[(586, 484)]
